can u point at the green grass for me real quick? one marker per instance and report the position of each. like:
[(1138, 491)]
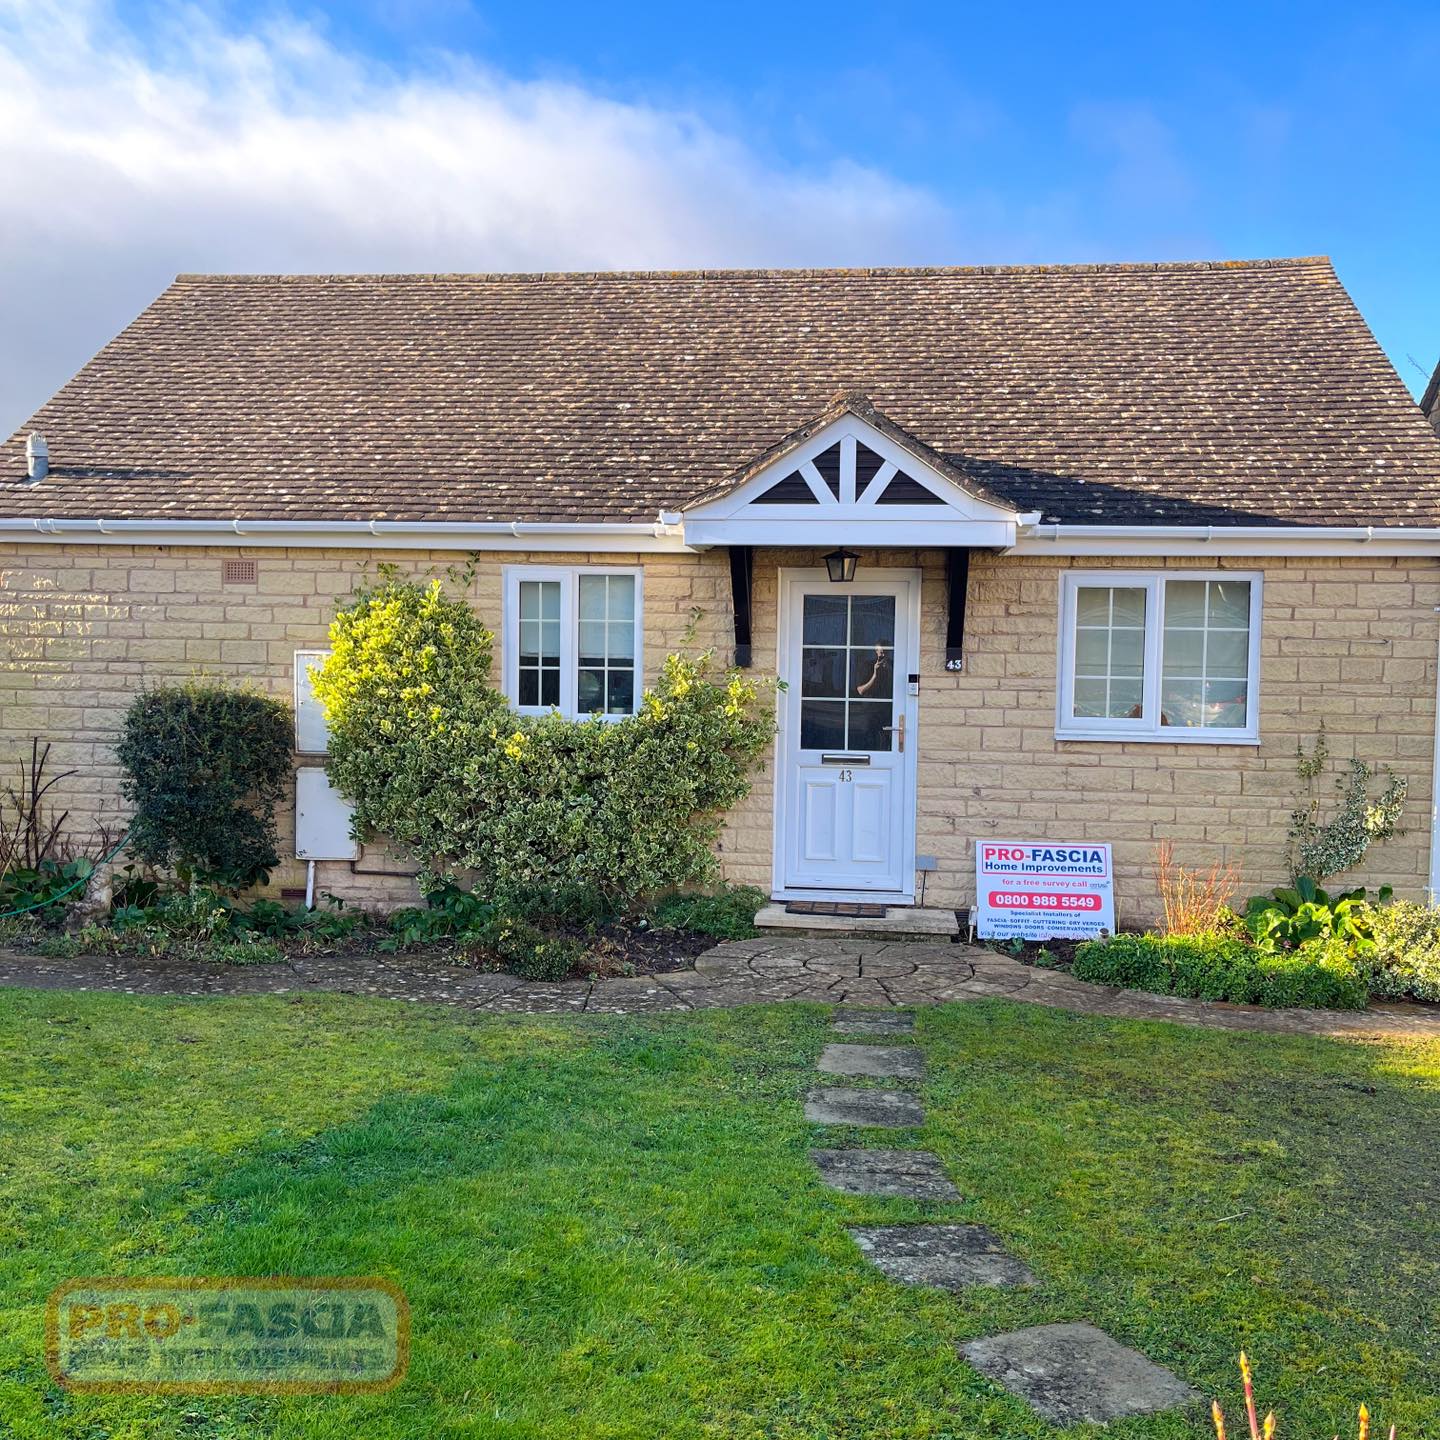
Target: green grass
[(609, 1227)]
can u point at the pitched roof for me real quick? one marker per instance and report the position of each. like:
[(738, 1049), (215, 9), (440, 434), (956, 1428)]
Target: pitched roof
[(1240, 393)]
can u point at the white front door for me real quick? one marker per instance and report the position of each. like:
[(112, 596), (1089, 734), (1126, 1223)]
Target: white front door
[(845, 794)]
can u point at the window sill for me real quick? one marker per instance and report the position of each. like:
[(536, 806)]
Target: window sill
[(1178, 736)]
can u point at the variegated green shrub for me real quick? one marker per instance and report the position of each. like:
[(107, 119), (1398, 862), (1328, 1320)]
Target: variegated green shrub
[(431, 756)]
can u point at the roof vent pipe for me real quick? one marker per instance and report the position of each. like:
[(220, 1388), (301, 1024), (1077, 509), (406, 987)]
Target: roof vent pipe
[(37, 457)]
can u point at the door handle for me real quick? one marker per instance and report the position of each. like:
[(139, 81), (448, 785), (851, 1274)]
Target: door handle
[(898, 731)]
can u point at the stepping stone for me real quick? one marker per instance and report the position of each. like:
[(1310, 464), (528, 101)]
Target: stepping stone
[(912, 1174), (880, 1062), (1073, 1374), (838, 1106), (877, 1022), (949, 1257)]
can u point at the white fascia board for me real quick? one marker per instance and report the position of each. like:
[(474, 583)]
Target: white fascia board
[(1215, 540), (564, 537), (945, 530)]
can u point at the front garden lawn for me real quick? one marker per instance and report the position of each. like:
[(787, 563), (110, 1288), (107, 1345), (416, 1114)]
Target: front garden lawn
[(609, 1227)]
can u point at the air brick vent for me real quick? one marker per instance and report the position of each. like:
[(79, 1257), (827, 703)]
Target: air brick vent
[(238, 572)]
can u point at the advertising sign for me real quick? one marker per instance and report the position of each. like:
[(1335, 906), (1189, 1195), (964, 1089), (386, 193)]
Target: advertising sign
[(1042, 890)]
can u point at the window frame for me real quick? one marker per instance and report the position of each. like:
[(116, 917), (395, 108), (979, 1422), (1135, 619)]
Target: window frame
[(1148, 728), (568, 577)]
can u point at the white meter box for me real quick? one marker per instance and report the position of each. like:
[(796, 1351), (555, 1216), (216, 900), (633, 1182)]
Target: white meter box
[(322, 818)]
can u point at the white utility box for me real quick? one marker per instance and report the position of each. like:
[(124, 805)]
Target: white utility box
[(322, 818)]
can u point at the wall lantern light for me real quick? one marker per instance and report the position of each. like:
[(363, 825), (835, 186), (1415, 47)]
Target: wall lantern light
[(840, 565)]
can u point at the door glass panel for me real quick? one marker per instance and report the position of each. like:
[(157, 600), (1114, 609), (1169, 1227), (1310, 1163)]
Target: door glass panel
[(822, 725), (826, 618), (847, 672)]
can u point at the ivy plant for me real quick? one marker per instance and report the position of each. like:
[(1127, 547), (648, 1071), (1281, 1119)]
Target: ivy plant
[(430, 754), (1319, 847)]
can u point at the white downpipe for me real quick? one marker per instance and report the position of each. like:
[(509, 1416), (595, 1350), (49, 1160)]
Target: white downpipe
[(310, 885), (1434, 887)]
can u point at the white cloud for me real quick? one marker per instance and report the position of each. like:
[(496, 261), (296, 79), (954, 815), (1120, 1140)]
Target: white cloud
[(211, 150)]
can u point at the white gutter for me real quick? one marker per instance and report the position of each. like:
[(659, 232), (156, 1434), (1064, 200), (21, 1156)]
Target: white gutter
[(1227, 540), (659, 535)]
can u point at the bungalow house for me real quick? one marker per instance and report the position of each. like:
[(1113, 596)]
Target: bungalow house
[(1067, 554)]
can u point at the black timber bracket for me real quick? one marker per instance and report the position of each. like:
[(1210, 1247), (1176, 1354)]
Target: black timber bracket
[(742, 576), (957, 585)]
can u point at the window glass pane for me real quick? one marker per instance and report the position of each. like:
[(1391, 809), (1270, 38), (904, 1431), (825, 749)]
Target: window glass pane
[(1128, 605), (1184, 652), (1227, 653), (621, 597), (1185, 602), (822, 724), (620, 693), (622, 639), (529, 688), (590, 691), (1089, 699), (1092, 605), (605, 673), (1092, 652), (1181, 702), (1126, 700), (550, 640), (1207, 654), (1109, 652), (1225, 703), (592, 642), (550, 687), (1127, 652), (592, 596), (1230, 603)]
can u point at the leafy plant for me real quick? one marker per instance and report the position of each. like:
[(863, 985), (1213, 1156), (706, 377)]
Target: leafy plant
[(1194, 902), (1405, 961), (450, 913), (204, 766), (1321, 848), (1288, 918), (727, 913), (430, 754), (1220, 967)]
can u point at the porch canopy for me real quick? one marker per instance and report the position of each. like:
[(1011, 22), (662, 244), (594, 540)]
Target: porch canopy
[(852, 477)]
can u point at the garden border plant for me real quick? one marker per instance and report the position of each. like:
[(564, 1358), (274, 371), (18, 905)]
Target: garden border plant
[(204, 765), (547, 819)]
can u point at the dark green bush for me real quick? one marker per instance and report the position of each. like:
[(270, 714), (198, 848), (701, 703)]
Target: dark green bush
[(1216, 967), (204, 767), (728, 914)]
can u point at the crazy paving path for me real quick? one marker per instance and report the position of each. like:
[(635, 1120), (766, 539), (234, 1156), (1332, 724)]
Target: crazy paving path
[(1068, 1374), (740, 972)]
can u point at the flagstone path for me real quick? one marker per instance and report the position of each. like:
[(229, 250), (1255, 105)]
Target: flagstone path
[(881, 974), (1068, 1374)]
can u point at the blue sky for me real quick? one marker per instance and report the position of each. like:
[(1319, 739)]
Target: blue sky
[(149, 139)]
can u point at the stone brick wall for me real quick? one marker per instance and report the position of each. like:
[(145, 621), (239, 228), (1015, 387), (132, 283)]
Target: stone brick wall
[(1351, 642), (1348, 642)]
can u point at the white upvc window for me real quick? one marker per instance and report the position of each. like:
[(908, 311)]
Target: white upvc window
[(572, 640), (312, 731), (1171, 655)]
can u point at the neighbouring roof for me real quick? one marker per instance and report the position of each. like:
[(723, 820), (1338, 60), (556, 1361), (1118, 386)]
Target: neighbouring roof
[(1226, 393)]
